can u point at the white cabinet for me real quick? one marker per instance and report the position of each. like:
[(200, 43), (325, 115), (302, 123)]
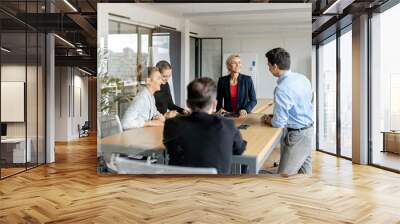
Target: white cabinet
[(18, 149)]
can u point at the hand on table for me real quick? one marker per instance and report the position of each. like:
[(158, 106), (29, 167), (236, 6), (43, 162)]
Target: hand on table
[(242, 113), (159, 117), (221, 111), (171, 114), (267, 119), (186, 112)]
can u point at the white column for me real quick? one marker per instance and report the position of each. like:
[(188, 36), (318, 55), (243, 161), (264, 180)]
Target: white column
[(360, 90), (50, 100)]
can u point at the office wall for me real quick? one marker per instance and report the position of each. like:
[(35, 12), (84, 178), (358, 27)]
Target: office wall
[(33, 127), (82, 115), (62, 81), (12, 73), (71, 87)]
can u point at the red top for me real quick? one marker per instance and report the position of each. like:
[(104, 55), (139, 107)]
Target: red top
[(234, 97)]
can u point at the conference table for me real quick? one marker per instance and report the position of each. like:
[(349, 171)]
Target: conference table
[(261, 140), (263, 106)]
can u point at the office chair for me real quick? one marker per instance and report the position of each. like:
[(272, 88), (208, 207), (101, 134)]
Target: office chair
[(124, 165), (110, 125), (84, 130)]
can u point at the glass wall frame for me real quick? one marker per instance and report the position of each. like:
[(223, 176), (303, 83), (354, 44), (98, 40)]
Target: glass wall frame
[(206, 57), (384, 88), (327, 79), (129, 44), (341, 123), (22, 63)]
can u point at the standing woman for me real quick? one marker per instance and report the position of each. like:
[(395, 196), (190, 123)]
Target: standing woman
[(235, 91), (163, 97)]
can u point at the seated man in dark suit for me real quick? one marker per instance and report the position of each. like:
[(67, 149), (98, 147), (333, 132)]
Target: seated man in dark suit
[(202, 139)]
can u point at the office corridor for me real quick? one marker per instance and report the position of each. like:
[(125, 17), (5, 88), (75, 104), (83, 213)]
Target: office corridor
[(70, 191)]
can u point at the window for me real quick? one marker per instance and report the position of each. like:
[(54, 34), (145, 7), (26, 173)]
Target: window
[(327, 97), (385, 89), (123, 49), (128, 48), (346, 94)]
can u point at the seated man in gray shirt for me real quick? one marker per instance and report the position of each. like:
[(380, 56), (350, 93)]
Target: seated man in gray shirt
[(142, 111)]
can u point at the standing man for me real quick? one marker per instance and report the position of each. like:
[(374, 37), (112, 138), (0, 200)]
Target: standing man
[(293, 111)]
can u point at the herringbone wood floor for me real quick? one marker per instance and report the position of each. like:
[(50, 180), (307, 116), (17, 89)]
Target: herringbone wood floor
[(70, 191)]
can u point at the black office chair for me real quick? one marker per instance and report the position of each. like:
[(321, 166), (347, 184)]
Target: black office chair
[(84, 130)]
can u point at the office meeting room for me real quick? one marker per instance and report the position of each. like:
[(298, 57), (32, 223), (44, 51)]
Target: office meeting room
[(189, 88)]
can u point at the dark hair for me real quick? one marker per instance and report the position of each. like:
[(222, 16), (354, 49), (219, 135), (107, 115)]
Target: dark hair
[(280, 57), (201, 93), (163, 65)]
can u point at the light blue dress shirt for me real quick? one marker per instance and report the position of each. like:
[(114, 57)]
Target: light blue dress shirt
[(293, 101)]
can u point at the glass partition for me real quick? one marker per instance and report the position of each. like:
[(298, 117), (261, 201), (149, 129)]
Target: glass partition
[(15, 151), (211, 58), (41, 97), (31, 98), (123, 70), (346, 94), (385, 89), (327, 97), (22, 69)]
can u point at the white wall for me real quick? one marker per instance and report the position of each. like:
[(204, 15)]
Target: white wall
[(80, 82), (61, 103), (16, 73), (34, 124), (68, 80)]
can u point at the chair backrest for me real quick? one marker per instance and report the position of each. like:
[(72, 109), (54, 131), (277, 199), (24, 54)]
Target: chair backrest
[(110, 125), (124, 165), (86, 125), (122, 108)]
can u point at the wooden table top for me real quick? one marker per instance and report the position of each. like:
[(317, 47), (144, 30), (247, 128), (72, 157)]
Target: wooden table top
[(143, 138), (259, 137), (263, 106)]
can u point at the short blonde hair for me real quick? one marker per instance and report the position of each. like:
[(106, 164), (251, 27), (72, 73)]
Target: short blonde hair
[(230, 58)]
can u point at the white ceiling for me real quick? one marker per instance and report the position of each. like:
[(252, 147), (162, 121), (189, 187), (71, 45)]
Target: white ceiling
[(256, 15)]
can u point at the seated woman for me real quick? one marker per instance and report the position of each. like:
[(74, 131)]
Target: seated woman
[(202, 139), (163, 97), (235, 91), (142, 111)]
